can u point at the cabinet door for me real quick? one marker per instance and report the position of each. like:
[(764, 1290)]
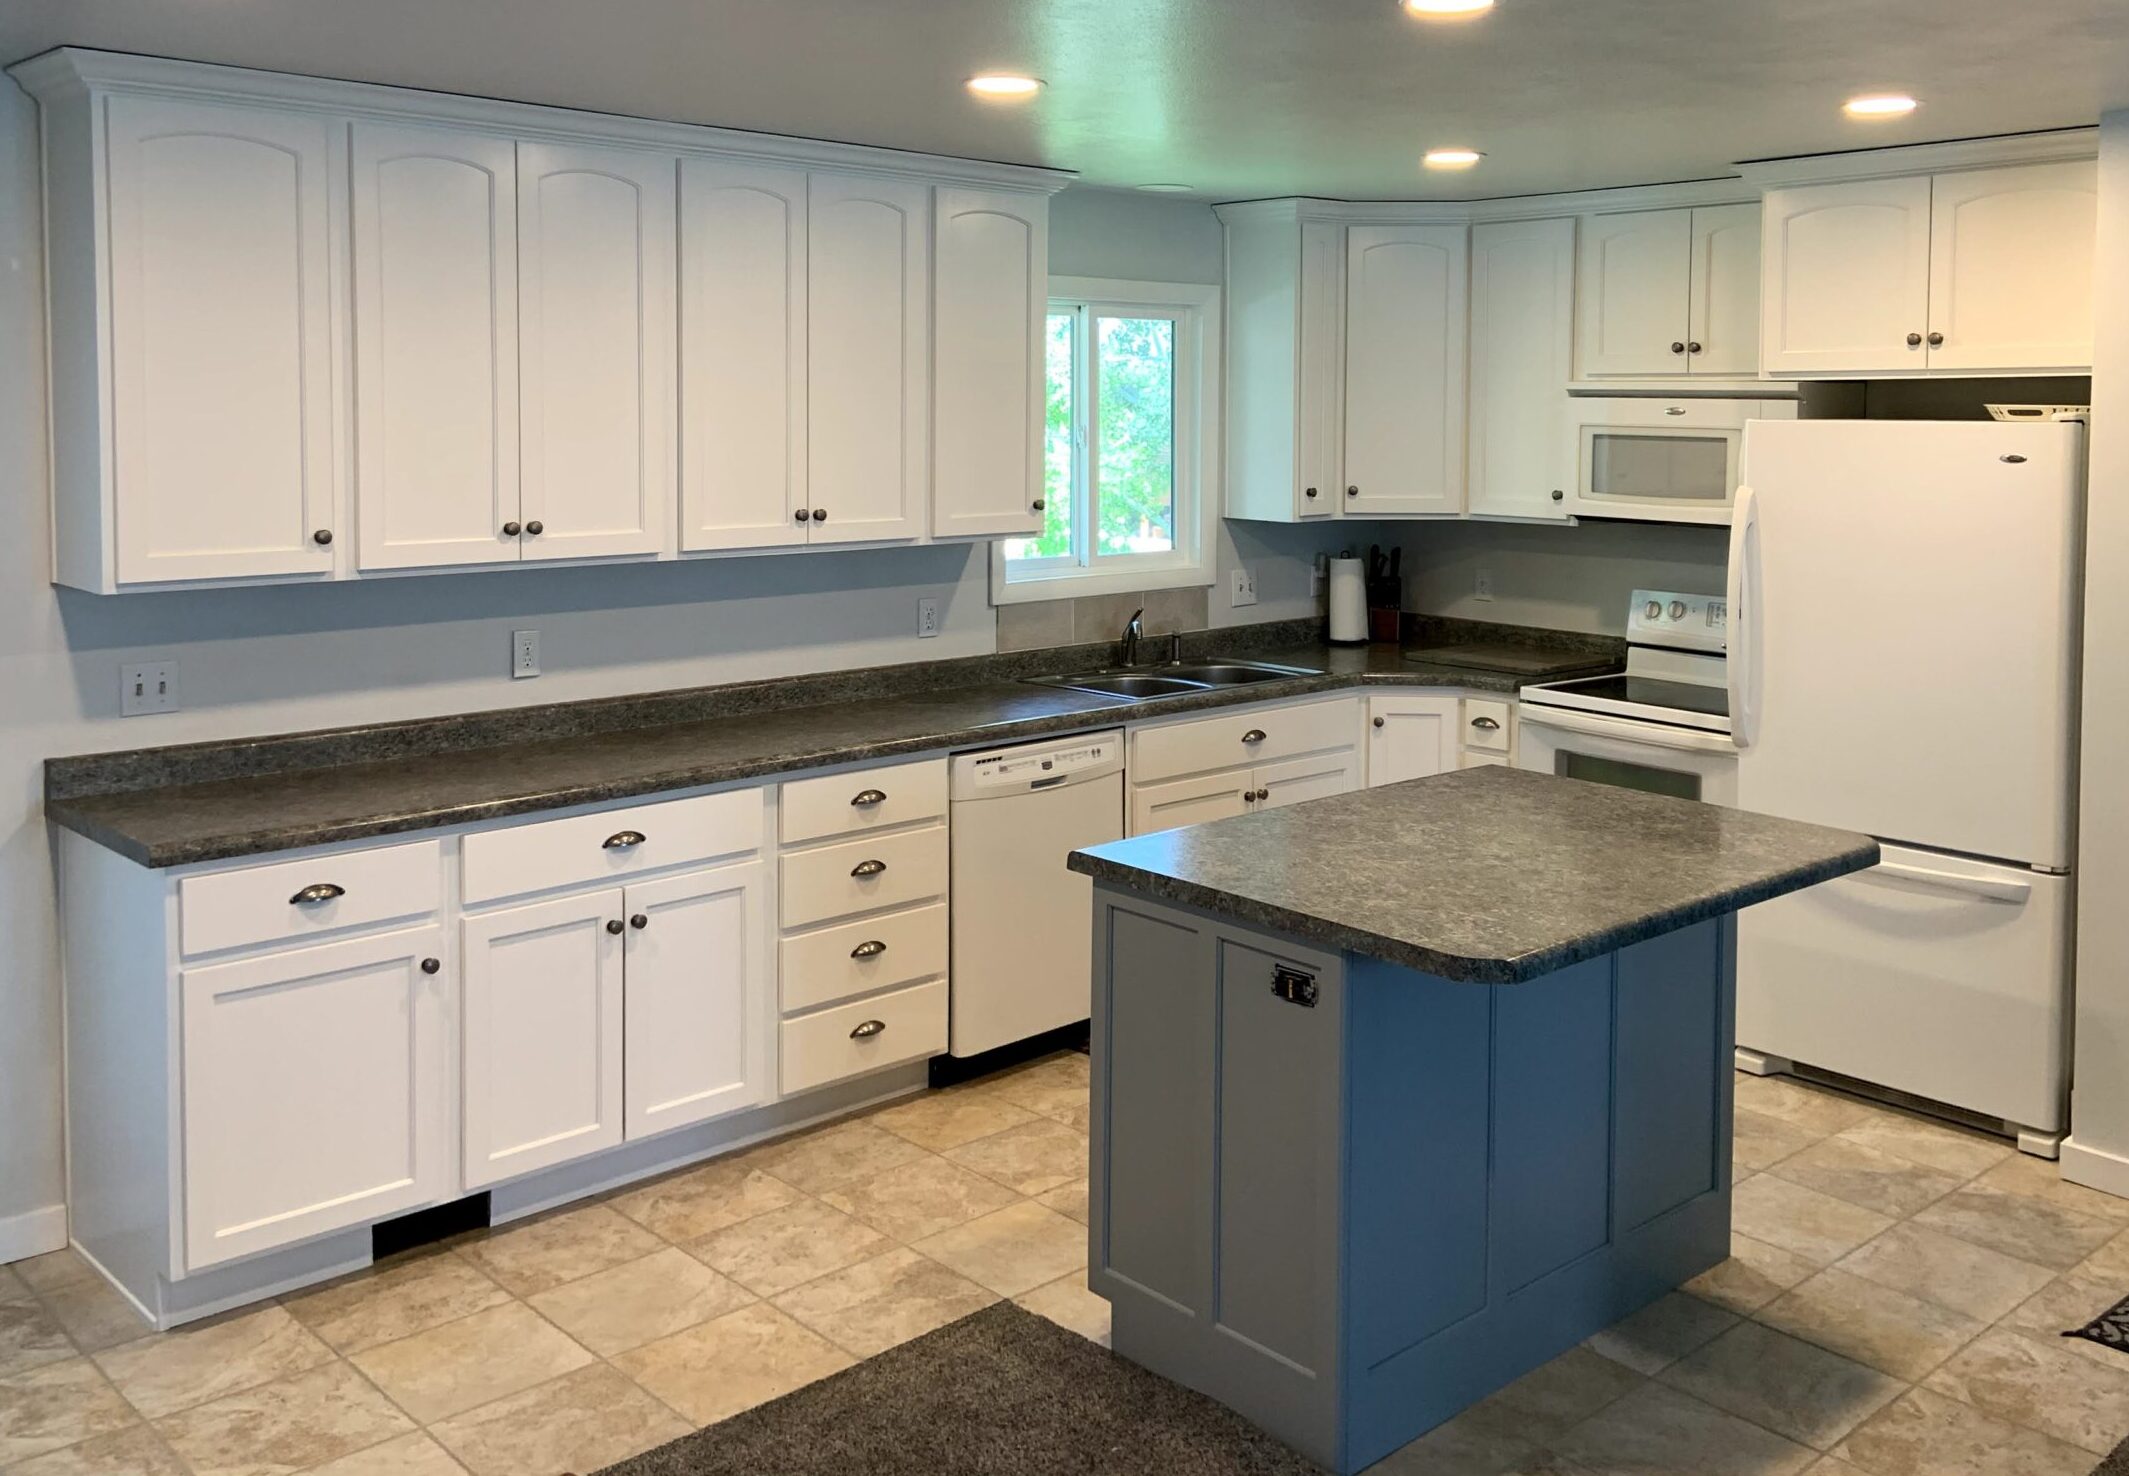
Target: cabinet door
[(1633, 287), (1844, 282), (868, 358), (1522, 348), (698, 1013), (1410, 737), (1404, 370), (435, 216), (1722, 319), (1294, 780), (316, 1092), (542, 1072), (595, 341), (221, 339), (1190, 801), (742, 355), (1319, 390), (991, 252), (2010, 269)]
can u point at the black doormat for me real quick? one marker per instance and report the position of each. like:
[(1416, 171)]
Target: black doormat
[(2110, 1328), (1000, 1393)]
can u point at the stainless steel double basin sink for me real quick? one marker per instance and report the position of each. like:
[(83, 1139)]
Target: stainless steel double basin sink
[(1139, 683)]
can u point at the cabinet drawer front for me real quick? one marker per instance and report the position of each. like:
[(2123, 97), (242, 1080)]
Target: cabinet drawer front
[(839, 963), (586, 849), (258, 904), (1487, 724), (839, 881), (835, 1045), (845, 804), (1227, 741)]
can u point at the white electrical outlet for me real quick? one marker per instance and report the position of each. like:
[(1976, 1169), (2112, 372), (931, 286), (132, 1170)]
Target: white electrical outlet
[(1244, 591), (147, 686), (927, 617), (1482, 586), (524, 653)]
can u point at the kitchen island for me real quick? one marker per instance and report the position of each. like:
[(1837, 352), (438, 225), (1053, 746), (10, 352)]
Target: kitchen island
[(1399, 1094)]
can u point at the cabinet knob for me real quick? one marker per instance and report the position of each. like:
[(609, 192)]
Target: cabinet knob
[(820, 515), (1263, 794), (322, 537), (1249, 796), (622, 840), (1379, 722), (638, 921), (317, 892), (1678, 346), (1352, 491), (1038, 504), (867, 1029), (535, 528), (868, 868), (431, 965), (1308, 492), (1936, 340), (872, 949), (1254, 735), (865, 799), (512, 528), (1692, 348), (804, 515), (613, 925), (1558, 495), (1914, 340)]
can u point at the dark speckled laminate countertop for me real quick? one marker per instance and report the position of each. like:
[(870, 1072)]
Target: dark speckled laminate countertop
[(1491, 875), (209, 802)]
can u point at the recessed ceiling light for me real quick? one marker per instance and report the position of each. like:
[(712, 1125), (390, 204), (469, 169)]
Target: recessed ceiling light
[(1883, 105), (1452, 158), (1439, 9), (1165, 189), (1004, 86)]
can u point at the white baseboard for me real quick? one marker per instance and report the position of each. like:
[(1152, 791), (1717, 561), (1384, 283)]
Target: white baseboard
[(32, 1234), (2095, 1168)]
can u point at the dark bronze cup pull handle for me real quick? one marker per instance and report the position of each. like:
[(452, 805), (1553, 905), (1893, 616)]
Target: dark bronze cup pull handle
[(318, 892), (872, 949), (868, 1029), (1254, 735), (865, 799), (621, 840), (1486, 724), (868, 868)]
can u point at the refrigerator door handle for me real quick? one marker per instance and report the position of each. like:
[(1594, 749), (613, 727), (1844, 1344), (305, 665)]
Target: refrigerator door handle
[(1996, 889), (1743, 587)]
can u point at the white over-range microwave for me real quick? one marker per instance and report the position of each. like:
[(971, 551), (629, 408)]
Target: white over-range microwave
[(1663, 461)]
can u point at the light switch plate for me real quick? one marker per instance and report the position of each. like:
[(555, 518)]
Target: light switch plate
[(524, 653), (1244, 589), (147, 686)]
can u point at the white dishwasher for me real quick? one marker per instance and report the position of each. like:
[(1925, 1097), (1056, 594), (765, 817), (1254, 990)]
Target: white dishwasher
[(1023, 926)]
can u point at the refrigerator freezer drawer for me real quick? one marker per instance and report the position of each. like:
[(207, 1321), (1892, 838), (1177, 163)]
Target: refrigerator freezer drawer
[(1931, 974)]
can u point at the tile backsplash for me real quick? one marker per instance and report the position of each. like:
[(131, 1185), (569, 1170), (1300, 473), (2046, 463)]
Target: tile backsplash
[(1099, 617)]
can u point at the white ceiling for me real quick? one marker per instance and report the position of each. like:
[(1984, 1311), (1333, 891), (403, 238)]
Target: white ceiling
[(1236, 98)]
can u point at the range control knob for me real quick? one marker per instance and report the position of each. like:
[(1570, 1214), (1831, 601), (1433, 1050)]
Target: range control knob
[(1653, 610), (1678, 609)]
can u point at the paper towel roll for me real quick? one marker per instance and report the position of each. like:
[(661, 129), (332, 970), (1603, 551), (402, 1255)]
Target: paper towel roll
[(1349, 602)]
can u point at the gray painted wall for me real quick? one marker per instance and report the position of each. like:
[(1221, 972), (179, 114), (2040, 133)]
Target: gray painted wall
[(1577, 578)]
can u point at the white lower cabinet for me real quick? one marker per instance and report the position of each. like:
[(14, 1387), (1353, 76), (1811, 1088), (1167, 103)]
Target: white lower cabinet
[(1240, 761), (1192, 801), (1312, 777), (315, 1087), (1411, 735)]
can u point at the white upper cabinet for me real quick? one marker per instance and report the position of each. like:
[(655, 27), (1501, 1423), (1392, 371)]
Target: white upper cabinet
[(1523, 439), (2010, 268), (1670, 294), (220, 331), (595, 348), (1319, 420), (869, 358), (991, 266), (1404, 370), (1845, 278), (1635, 293), (435, 293), (1285, 360), (742, 355)]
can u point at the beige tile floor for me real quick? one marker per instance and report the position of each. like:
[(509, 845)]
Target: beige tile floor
[(1891, 1308)]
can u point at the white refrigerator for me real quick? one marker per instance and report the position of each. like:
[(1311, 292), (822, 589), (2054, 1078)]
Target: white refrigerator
[(1903, 654)]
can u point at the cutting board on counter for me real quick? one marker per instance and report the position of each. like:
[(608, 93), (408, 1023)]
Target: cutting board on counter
[(1522, 661)]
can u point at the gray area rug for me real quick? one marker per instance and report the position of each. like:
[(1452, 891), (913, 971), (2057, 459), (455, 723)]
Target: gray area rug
[(1000, 1393)]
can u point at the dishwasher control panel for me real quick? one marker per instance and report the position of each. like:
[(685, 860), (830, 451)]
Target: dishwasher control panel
[(1041, 765)]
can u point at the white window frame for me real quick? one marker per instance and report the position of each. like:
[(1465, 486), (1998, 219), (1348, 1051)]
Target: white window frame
[(1196, 309)]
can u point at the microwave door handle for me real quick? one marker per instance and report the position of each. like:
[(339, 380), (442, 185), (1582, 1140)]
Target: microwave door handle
[(1996, 889), (1743, 588)]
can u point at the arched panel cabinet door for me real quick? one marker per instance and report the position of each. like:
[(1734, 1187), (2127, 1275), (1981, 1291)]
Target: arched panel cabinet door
[(1404, 374), (595, 350), (742, 355), (2010, 281), (1845, 278), (868, 356), (988, 312), (221, 321), (436, 363)]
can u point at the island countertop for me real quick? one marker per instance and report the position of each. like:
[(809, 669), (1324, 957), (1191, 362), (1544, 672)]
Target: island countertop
[(1490, 875)]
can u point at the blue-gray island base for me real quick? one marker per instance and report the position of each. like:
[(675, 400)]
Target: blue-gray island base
[(1349, 1197)]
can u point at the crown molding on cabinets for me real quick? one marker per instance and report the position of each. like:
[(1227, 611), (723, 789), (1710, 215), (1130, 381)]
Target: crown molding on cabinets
[(1507, 208), (72, 70), (2054, 146)]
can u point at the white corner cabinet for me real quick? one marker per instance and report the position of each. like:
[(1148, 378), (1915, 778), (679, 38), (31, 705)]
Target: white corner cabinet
[(1414, 734), (305, 330), (1966, 271)]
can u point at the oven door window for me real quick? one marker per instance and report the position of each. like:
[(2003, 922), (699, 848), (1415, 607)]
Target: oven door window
[(1658, 466), (1620, 774)]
